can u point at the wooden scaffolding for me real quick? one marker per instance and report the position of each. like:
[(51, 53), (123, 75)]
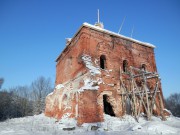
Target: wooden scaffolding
[(140, 96)]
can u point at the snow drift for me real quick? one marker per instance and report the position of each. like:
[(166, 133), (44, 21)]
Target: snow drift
[(42, 125)]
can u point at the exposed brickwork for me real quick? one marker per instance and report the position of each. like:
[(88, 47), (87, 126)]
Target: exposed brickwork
[(87, 105)]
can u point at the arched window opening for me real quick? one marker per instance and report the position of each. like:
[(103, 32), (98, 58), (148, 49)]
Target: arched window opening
[(102, 61), (125, 65), (143, 67)]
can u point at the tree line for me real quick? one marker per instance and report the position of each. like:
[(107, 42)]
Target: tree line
[(23, 101), (173, 104)]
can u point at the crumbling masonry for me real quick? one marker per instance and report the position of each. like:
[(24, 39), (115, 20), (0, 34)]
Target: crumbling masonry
[(100, 72)]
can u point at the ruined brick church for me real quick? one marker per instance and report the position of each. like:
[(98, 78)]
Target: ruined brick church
[(99, 72)]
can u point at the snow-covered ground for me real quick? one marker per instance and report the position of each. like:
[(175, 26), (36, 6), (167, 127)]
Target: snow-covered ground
[(42, 125)]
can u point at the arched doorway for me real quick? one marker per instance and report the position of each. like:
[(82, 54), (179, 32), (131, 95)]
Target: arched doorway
[(107, 106)]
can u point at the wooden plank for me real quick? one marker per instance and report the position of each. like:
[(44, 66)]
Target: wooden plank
[(161, 107), (143, 96), (154, 96)]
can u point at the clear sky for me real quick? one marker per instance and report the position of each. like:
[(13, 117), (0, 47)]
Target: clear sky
[(33, 32)]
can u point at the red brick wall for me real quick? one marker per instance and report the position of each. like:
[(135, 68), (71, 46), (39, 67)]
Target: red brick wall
[(116, 49)]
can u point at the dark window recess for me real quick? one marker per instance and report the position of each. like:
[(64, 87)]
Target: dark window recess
[(102, 61), (143, 67), (107, 106), (125, 64)]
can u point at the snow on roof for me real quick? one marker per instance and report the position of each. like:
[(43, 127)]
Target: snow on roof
[(118, 35), (85, 24)]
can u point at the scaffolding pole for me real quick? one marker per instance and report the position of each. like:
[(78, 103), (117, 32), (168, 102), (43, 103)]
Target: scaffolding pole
[(134, 86)]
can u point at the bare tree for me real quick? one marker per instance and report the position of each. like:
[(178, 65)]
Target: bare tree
[(40, 88), (22, 101), (5, 105), (12, 105), (173, 104), (21, 98), (1, 82)]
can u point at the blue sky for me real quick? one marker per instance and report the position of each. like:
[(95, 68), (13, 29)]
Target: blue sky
[(33, 32)]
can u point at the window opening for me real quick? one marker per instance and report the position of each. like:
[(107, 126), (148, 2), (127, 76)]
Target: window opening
[(143, 67), (102, 61), (125, 64)]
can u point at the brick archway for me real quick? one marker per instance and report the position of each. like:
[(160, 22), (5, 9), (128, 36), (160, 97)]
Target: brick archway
[(107, 106), (109, 102)]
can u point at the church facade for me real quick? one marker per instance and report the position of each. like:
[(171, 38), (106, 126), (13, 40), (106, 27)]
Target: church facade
[(99, 72)]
